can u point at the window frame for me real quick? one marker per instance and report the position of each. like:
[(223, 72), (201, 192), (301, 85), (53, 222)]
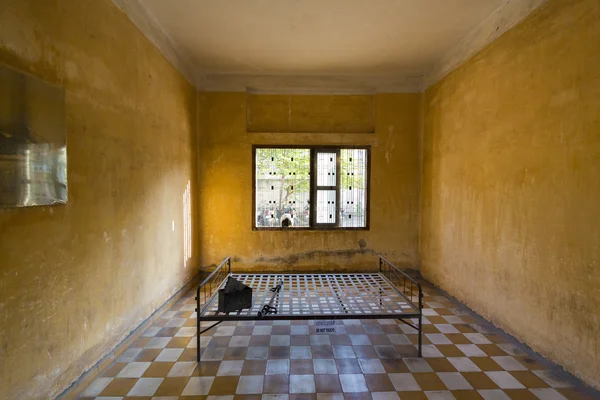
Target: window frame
[(313, 188)]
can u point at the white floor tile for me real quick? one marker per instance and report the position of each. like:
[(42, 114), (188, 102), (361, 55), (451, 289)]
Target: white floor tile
[(404, 382), (302, 384), (353, 383), (133, 370), (198, 386), (504, 380), (454, 380), (145, 387)]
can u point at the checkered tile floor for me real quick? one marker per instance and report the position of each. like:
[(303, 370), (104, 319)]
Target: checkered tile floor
[(464, 358)]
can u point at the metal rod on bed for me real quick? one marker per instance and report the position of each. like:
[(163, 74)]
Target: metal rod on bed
[(413, 283), (199, 311)]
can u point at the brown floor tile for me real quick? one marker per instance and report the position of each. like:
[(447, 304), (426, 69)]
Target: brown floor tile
[(464, 328), (260, 340), (254, 367), (458, 338), (450, 350), (494, 338), (119, 387), (407, 350), (243, 331), (520, 394), (167, 332), (486, 364), (412, 396), (183, 314), (328, 384), (137, 398), (436, 319), (300, 340), (492, 350), (394, 366), (444, 311), (179, 342), (391, 329), (340, 340), (242, 397), (188, 355), (207, 368), (141, 342), (365, 352), (529, 379), (441, 365), (379, 383), (172, 386), (158, 369), (114, 370), (190, 322), (276, 384), (429, 381), (306, 396), (224, 385), (280, 330), (322, 351), (148, 355), (278, 352), (301, 367), (235, 353), (466, 395), (430, 328), (479, 380)]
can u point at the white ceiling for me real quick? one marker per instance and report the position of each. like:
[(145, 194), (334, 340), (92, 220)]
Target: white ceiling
[(283, 44)]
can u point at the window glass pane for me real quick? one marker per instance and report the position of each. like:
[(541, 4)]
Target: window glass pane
[(326, 206), (282, 187), (353, 188), (326, 163)]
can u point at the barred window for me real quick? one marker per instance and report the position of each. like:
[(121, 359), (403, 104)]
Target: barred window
[(310, 188)]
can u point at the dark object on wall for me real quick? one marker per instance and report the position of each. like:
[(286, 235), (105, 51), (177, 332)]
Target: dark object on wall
[(33, 147), (234, 296)]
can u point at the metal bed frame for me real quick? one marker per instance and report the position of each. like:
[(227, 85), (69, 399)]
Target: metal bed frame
[(387, 294)]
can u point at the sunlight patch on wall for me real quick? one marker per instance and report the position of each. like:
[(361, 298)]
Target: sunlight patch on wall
[(187, 225)]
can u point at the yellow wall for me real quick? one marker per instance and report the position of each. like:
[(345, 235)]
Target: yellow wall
[(511, 184), (76, 279), (226, 195)]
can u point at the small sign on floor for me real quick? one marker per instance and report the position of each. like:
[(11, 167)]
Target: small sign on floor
[(324, 326)]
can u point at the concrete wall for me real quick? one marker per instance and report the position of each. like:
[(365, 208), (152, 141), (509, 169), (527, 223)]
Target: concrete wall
[(511, 193), (226, 181), (76, 279)]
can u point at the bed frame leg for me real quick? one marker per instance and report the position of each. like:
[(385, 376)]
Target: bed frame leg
[(198, 329), (420, 336)]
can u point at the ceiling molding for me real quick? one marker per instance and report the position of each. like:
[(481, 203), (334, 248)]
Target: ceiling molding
[(156, 34), (312, 84), (501, 20)]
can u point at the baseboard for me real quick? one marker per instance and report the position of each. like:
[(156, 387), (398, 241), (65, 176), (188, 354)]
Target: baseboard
[(89, 376)]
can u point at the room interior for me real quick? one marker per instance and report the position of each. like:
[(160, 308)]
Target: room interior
[(483, 129)]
